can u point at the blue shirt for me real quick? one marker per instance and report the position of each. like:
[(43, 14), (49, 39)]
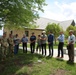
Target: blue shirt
[(50, 38), (32, 38), (24, 39), (61, 38)]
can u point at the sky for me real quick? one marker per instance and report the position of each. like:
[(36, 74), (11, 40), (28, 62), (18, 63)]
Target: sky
[(60, 10)]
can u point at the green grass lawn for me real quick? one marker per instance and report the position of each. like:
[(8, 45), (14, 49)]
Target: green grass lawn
[(27, 64)]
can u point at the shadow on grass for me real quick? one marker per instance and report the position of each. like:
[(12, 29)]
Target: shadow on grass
[(48, 57), (71, 63), (59, 59), (13, 64)]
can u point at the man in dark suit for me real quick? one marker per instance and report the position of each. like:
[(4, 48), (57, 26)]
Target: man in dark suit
[(50, 43), (32, 42)]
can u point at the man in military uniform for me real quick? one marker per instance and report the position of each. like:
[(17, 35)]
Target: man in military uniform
[(4, 46), (11, 45)]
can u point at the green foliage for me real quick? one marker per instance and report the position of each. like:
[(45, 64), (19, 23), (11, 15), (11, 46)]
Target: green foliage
[(66, 34), (71, 27), (0, 26), (55, 28), (20, 12)]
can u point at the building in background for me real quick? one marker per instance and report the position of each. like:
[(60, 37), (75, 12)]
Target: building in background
[(41, 23)]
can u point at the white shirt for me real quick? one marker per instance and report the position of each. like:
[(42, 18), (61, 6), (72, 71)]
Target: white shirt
[(71, 38)]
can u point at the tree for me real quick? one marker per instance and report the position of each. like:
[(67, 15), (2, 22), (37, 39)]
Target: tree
[(55, 28), (20, 12), (71, 27)]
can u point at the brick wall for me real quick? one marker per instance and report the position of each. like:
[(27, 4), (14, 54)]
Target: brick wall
[(20, 32)]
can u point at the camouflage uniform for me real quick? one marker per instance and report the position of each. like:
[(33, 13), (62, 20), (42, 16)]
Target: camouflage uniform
[(11, 46), (4, 47)]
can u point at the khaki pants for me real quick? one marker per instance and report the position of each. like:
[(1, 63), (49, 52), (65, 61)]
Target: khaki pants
[(4, 52), (71, 52), (11, 50)]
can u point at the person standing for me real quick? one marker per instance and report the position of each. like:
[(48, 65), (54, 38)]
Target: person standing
[(50, 43), (61, 44), (4, 46), (71, 42), (32, 42), (16, 44), (11, 32), (43, 42), (11, 45), (38, 44), (24, 41)]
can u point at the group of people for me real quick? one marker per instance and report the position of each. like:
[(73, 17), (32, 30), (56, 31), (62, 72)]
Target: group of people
[(43, 39), (42, 43), (70, 45), (10, 45)]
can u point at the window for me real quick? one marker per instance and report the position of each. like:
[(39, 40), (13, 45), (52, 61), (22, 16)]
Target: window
[(27, 33)]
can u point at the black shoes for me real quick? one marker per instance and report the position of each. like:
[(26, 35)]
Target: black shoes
[(70, 62)]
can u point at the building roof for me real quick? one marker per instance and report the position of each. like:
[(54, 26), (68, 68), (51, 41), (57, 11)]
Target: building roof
[(43, 22), (66, 24)]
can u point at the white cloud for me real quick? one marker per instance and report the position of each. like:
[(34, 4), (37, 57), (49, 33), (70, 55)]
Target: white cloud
[(53, 16), (60, 11), (69, 10)]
